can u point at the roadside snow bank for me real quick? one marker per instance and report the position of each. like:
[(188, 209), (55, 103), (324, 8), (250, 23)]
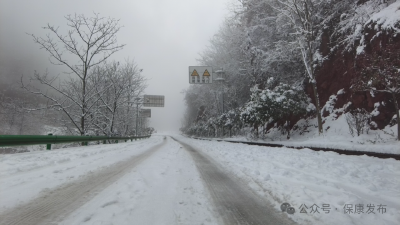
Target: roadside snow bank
[(336, 136)]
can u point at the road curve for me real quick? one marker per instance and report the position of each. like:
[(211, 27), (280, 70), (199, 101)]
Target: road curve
[(235, 203), (53, 205)]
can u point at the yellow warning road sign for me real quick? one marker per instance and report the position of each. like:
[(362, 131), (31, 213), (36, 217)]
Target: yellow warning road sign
[(200, 74), (195, 73), (206, 73)]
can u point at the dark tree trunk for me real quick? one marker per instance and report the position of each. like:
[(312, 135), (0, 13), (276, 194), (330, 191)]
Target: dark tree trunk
[(396, 105), (319, 117)]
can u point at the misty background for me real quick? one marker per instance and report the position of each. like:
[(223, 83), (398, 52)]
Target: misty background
[(162, 37)]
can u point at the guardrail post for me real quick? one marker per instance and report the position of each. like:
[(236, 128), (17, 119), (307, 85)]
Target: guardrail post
[(104, 142), (49, 145), (85, 143)]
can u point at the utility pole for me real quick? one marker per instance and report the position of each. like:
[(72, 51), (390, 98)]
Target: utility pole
[(146, 101), (137, 115), (220, 78), (201, 75)]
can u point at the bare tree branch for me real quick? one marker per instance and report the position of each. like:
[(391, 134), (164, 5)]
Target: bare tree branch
[(89, 42)]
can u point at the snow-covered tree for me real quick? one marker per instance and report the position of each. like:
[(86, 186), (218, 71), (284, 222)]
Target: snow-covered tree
[(254, 112), (287, 40), (358, 121), (116, 86), (224, 51), (275, 104), (89, 42), (353, 16), (305, 17), (265, 46)]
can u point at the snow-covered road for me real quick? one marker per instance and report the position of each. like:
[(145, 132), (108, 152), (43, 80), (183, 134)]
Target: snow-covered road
[(165, 188), (57, 203), (159, 181), (24, 176), (234, 200)]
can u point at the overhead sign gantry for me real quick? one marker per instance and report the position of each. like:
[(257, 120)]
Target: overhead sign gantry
[(147, 101)]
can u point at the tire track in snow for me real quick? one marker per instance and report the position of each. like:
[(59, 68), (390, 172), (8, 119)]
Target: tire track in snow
[(234, 201), (55, 204)]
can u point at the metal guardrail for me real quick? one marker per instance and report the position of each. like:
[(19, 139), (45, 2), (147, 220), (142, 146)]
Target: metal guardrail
[(339, 151), (15, 140)]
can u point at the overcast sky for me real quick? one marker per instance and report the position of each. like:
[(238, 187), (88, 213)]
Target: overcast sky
[(164, 37)]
